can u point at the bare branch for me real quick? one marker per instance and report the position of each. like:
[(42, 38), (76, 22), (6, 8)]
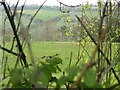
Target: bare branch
[(35, 15), (11, 20), (69, 5), (102, 36), (62, 10), (14, 12), (19, 22), (9, 51)]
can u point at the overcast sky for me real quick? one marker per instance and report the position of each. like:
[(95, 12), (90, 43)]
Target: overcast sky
[(54, 2)]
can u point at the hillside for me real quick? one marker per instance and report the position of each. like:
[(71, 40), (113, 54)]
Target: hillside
[(48, 23)]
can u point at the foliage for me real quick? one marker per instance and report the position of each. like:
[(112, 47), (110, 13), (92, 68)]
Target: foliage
[(93, 64), (44, 74)]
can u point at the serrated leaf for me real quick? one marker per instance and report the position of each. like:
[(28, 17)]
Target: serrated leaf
[(71, 72), (54, 60), (90, 78)]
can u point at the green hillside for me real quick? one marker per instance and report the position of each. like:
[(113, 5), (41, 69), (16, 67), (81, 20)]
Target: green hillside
[(43, 14)]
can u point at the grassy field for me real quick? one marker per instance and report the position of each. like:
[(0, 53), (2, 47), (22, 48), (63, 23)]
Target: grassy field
[(43, 15), (46, 15), (64, 50), (40, 49)]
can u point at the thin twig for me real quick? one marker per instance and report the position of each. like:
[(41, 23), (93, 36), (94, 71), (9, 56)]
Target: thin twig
[(11, 20), (9, 51), (70, 58), (19, 22), (5, 64), (107, 28), (69, 5), (35, 15), (14, 12)]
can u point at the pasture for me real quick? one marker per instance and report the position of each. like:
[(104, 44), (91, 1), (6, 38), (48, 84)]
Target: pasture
[(63, 49)]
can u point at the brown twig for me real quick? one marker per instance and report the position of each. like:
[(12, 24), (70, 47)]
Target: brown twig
[(11, 20), (14, 12), (35, 15), (100, 39), (90, 64), (19, 22), (69, 5), (9, 51)]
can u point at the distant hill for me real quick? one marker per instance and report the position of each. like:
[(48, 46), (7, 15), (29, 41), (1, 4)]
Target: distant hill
[(48, 23)]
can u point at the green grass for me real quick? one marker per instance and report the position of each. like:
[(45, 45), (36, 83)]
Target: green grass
[(64, 50), (43, 14), (40, 49), (46, 15)]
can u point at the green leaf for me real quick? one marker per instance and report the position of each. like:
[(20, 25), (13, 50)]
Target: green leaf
[(58, 68), (90, 78), (118, 59), (16, 76), (119, 67), (49, 68), (46, 73), (54, 60), (45, 77), (71, 72), (62, 81), (53, 79), (82, 85), (31, 74)]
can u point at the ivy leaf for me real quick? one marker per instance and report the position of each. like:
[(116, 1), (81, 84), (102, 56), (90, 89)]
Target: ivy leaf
[(71, 72), (90, 78), (54, 60)]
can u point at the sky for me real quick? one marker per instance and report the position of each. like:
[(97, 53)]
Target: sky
[(53, 2)]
